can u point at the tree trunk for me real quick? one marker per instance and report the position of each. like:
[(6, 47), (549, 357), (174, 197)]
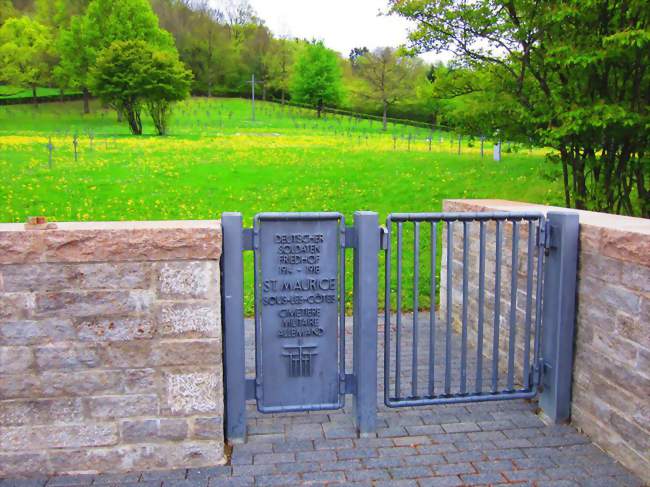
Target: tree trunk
[(119, 115), (264, 92), (384, 117), (135, 122), (86, 100), (34, 97), (282, 95), (61, 94), (319, 107)]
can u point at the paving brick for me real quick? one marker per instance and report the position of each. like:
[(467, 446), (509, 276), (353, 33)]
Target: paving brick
[(482, 478), (427, 459), (265, 458), (251, 470), (232, 482), (273, 480), (293, 446), (454, 469), (316, 456), (412, 472), (297, 467), (177, 474), (70, 480), (384, 462), (397, 483), (367, 475), (324, 477), (186, 483), (357, 453), (460, 427), (220, 471), (117, 478), (447, 481)]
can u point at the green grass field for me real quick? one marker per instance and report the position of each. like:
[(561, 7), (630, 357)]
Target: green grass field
[(216, 159), (7, 91)]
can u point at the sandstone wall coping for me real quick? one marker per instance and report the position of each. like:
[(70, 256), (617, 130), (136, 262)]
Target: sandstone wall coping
[(76, 242), (620, 237)]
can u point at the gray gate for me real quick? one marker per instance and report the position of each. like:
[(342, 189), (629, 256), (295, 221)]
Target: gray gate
[(468, 380), (504, 329)]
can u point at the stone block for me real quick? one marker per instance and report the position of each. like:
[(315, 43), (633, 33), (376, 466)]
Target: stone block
[(67, 356), (30, 332), (24, 385), (41, 411), (93, 303), (185, 352), (140, 381), (208, 428), (110, 407), (189, 319), (15, 359), (82, 383), (21, 464), (173, 429), (16, 306), (139, 431), (17, 438), (129, 354), (115, 328), (193, 392), (186, 279)]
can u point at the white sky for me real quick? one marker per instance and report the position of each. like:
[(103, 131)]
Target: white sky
[(341, 24)]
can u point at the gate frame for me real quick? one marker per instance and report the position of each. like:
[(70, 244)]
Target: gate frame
[(366, 238)]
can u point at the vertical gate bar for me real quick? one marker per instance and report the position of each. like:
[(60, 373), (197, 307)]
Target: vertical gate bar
[(416, 287), (398, 332), (559, 315), (387, 321), (497, 311), (529, 302), (538, 298), (481, 305), (232, 289), (463, 346), (365, 321), (342, 303), (432, 310), (513, 305), (450, 266)]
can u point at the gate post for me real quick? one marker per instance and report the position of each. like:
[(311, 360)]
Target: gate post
[(558, 316), (366, 252), (232, 299)]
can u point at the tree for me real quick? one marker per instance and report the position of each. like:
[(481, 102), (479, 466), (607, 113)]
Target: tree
[(167, 81), (579, 70), (7, 11), (279, 61), (389, 76), (104, 22), (317, 77), (24, 53), (132, 74)]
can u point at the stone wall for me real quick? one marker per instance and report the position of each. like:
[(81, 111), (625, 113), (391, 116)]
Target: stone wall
[(110, 347), (611, 376)]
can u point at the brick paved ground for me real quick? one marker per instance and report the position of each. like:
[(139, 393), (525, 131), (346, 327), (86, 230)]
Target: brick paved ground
[(498, 443)]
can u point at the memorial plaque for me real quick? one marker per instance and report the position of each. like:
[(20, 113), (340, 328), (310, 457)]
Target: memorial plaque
[(298, 312)]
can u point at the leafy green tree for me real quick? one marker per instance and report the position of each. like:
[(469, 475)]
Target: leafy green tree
[(132, 74), (104, 22), (579, 71), (279, 62), (168, 81), (25, 51), (7, 11), (317, 77), (390, 77)]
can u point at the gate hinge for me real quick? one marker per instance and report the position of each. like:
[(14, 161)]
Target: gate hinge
[(544, 239), (348, 384), (539, 370), (247, 239), (383, 238)]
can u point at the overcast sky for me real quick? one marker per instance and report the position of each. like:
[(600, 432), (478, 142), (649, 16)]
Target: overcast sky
[(341, 24)]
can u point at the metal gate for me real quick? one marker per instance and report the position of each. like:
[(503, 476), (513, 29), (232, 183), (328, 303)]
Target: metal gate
[(504, 329), (456, 383)]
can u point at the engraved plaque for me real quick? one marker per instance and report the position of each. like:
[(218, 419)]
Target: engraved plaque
[(298, 313)]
